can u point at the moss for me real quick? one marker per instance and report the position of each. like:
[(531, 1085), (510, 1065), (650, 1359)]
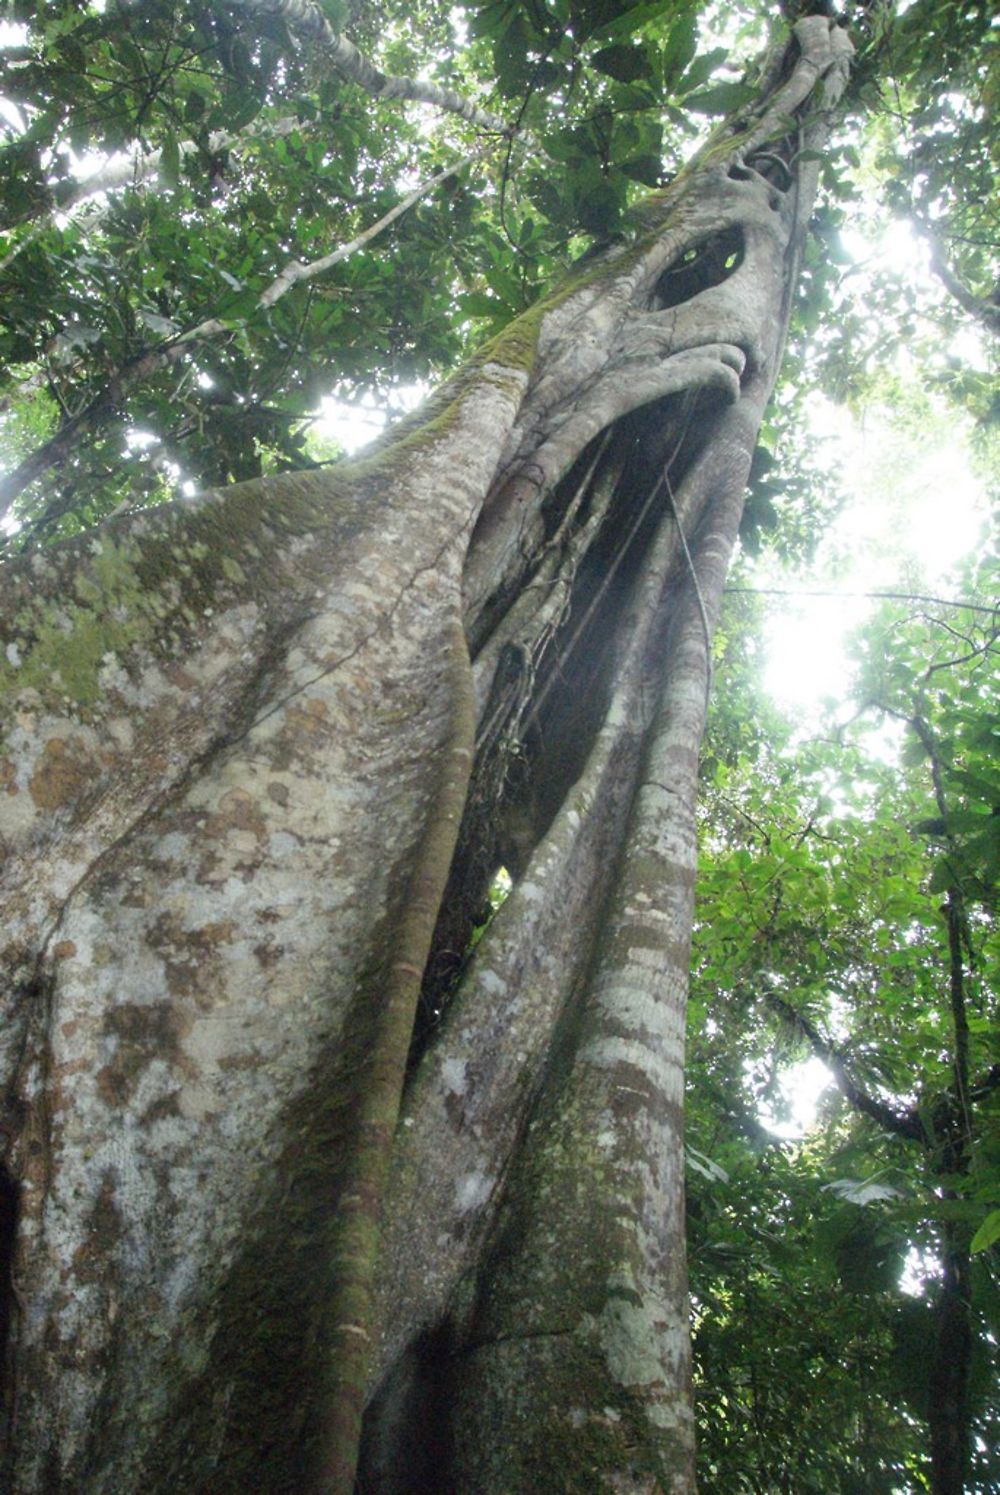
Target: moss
[(500, 362), (64, 643), (76, 609), (413, 434), (516, 346)]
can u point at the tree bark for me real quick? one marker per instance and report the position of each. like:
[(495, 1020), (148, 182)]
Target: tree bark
[(233, 736), (949, 1412)]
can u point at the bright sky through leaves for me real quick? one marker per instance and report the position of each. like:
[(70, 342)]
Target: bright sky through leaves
[(890, 537), (915, 506)]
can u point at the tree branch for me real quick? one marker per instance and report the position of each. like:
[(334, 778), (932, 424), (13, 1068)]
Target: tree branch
[(59, 446), (986, 313), (901, 1123), (309, 21), (954, 915)]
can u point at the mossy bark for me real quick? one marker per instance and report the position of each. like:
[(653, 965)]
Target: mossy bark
[(233, 732)]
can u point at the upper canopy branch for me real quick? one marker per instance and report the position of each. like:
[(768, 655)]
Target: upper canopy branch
[(900, 1123), (986, 312), (308, 20), (825, 53)]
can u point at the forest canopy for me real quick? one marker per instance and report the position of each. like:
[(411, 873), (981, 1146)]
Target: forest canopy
[(183, 327)]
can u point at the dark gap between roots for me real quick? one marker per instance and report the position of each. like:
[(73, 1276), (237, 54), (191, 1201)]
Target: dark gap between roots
[(518, 786)]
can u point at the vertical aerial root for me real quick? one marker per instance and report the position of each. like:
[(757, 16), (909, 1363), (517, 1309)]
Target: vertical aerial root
[(379, 1096)]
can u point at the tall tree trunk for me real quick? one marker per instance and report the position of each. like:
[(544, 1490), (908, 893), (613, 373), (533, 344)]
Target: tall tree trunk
[(949, 1413), (238, 739)]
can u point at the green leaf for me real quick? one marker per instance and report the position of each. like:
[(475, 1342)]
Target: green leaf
[(245, 107), (478, 304), (702, 68), (628, 22), (644, 169), (988, 1232), (704, 1165), (721, 98), (863, 1190), (156, 323), (597, 208), (626, 63), (130, 55), (567, 145), (682, 44)]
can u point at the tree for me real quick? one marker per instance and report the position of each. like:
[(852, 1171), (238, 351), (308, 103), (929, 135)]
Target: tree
[(265, 752)]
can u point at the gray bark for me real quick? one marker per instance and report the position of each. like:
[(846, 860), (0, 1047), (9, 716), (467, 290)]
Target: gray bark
[(221, 723)]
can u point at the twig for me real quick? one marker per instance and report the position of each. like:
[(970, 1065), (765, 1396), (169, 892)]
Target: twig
[(975, 607)]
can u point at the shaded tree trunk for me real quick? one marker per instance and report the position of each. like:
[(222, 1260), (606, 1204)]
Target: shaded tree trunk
[(245, 742), (949, 1412)]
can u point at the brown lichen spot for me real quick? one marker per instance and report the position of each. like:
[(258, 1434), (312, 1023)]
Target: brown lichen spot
[(237, 810), (210, 935), (239, 1061), (54, 1342), (278, 792), (179, 676), (104, 1231), (183, 975), (190, 956), (308, 717), (268, 953), (65, 769), (161, 1109), (455, 1108), (62, 1097), (70, 1067), (114, 1086), (64, 949), (211, 868), (143, 1034)]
